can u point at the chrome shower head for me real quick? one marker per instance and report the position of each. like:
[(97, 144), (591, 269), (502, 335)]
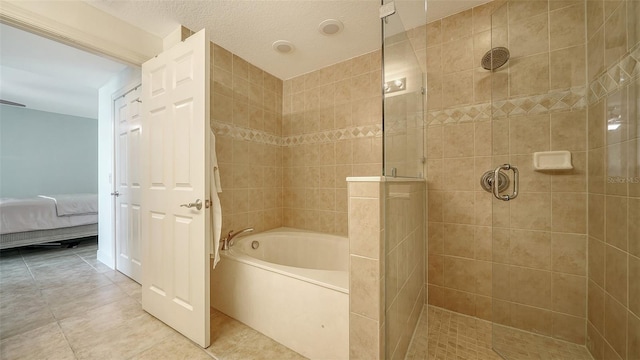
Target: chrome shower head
[(495, 58)]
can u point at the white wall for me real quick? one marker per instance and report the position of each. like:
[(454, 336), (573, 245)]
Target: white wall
[(46, 153), (126, 80)]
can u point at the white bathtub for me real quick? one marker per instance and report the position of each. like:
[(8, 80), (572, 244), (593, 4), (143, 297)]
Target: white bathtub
[(293, 288)]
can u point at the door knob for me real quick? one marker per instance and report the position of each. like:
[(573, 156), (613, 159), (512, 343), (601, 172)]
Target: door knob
[(115, 193), (197, 205)]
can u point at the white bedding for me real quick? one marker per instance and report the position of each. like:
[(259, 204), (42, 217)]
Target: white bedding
[(18, 215), (74, 204)]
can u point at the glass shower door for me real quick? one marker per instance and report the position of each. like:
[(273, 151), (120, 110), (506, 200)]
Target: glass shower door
[(404, 45), (403, 87)]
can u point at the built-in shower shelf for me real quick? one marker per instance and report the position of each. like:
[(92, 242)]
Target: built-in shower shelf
[(552, 160)]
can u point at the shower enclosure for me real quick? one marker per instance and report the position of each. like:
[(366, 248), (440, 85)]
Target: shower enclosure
[(404, 45), (565, 250)]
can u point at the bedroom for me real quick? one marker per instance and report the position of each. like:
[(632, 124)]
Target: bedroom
[(49, 139)]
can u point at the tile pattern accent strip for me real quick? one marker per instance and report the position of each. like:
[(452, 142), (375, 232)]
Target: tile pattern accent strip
[(240, 133), (616, 77), (561, 100)]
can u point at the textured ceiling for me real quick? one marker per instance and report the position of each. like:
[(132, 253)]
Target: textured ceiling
[(49, 76), (248, 28)]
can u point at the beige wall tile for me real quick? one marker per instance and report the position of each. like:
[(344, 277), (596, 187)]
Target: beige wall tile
[(595, 16), (596, 261), (530, 249), (521, 128), (457, 26), (633, 331), (568, 131), (569, 328), (519, 10), (529, 75), (616, 274), (364, 287), (616, 221), (633, 27), (633, 223), (569, 253), (530, 286), (595, 54), (615, 318), (457, 55), (569, 212), (567, 27), (596, 342), (595, 171), (459, 240), (529, 36), (634, 285), (569, 294), (532, 319), (460, 274), (615, 31), (574, 180), (458, 207), (434, 33), (457, 88), (363, 338), (531, 211), (595, 310), (482, 17), (459, 301), (458, 140)]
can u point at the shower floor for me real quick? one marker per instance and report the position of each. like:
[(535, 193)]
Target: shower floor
[(448, 335)]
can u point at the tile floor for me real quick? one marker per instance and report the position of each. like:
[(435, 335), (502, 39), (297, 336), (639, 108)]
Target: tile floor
[(61, 303), (452, 336)]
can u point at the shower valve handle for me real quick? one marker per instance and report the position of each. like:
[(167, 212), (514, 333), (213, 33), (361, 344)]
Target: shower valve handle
[(495, 185)]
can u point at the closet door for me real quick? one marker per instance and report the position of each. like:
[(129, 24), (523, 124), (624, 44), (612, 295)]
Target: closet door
[(127, 194)]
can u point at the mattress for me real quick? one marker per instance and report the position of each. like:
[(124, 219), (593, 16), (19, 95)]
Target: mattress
[(39, 213)]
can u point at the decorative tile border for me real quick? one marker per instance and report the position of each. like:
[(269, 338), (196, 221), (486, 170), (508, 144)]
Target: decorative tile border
[(472, 113), (617, 76), (239, 133), (560, 100)]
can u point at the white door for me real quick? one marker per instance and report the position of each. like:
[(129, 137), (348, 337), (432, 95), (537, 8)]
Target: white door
[(127, 195), (175, 165)]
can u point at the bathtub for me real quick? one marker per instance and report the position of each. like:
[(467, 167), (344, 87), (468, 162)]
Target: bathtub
[(291, 285)]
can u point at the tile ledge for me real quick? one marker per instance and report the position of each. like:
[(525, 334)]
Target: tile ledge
[(382, 179)]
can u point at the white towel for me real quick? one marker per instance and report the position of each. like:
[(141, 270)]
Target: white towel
[(216, 209)]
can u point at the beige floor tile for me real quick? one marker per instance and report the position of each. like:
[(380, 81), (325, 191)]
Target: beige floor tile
[(232, 340), (67, 307), (174, 347), (129, 338), (46, 342)]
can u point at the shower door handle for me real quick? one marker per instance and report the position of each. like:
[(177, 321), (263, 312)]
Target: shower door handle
[(495, 188)]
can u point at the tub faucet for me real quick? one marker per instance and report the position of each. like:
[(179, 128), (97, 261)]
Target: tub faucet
[(227, 242)]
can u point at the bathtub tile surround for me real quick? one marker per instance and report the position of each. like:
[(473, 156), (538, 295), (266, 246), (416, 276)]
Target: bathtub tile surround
[(613, 49), (393, 246), (286, 147), (246, 117), (331, 130)]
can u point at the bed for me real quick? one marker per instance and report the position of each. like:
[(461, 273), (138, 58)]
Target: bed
[(47, 218)]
